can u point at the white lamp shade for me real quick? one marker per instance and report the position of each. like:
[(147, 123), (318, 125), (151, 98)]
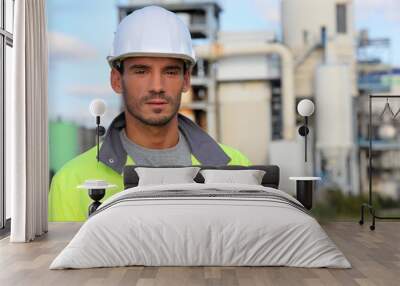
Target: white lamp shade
[(97, 107), (305, 107), (387, 132)]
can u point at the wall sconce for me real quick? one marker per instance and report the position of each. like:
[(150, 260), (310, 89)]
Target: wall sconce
[(305, 108)]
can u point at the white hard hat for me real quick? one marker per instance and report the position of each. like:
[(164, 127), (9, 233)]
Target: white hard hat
[(152, 31)]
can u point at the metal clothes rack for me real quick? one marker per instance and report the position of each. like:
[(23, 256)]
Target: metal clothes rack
[(369, 204)]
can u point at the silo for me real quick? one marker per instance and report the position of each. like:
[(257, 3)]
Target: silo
[(318, 30), (245, 114), (333, 106), (334, 123), (302, 21)]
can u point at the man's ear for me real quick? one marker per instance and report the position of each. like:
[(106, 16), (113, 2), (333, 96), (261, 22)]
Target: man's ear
[(116, 80), (186, 80)]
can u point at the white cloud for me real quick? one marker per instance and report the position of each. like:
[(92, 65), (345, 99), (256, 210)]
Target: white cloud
[(66, 47), (268, 9), (91, 90), (387, 9)]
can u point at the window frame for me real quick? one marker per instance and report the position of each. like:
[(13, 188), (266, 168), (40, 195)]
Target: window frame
[(6, 39)]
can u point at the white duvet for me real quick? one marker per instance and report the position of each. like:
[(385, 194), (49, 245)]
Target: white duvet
[(245, 225)]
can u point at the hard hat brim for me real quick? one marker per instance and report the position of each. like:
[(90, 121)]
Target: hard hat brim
[(112, 59)]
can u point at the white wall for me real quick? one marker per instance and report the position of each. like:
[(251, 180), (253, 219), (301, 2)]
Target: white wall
[(289, 156)]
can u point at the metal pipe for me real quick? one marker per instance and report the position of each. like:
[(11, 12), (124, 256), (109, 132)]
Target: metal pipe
[(218, 50)]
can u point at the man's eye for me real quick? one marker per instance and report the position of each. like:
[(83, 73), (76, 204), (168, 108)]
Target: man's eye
[(139, 71), (172, 72)]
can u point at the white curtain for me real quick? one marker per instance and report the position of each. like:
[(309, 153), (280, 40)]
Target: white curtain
[(27, 173)]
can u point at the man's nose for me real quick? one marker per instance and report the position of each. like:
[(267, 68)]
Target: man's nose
[(156, 82)]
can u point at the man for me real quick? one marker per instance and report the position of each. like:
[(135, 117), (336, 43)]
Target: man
[(151, 61)]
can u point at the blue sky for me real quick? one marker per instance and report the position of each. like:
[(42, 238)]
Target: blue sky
[(81, 33)]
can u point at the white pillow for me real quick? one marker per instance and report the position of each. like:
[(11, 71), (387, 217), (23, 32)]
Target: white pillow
[(162, 176), (249, 177)]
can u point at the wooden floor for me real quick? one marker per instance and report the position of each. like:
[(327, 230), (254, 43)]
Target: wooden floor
[(374, 255)]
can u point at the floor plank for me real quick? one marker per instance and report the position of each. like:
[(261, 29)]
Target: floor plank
[(374, 255)]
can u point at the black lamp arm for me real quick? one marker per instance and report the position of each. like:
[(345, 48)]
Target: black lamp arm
[(305, 139), (303, 131), (98, 137), (100, 131)]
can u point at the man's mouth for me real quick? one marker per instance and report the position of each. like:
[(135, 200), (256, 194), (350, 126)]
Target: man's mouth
[(156, 102)]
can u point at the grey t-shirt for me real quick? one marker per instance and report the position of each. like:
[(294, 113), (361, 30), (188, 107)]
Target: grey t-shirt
[(178, 155)]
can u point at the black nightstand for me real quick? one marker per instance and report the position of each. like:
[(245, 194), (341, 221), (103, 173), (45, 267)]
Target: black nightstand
[(304, 190), (96, 191)]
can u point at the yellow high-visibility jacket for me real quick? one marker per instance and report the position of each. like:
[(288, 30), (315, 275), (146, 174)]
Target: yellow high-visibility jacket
[(68, 203)]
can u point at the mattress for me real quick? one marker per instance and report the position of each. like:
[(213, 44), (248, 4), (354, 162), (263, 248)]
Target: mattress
[(201, 225)]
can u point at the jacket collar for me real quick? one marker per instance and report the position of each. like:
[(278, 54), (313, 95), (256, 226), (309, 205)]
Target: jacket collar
[(206, 150)]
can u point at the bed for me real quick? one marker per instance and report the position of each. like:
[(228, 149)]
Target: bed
[(201, 223)]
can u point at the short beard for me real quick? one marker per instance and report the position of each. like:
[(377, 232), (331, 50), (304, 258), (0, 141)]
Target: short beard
[(151, 122)]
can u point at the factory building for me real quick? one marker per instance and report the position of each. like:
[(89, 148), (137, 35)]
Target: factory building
[(247, 84)]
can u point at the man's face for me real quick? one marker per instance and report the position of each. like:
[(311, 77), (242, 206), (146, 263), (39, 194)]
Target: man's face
[(151, 88)]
